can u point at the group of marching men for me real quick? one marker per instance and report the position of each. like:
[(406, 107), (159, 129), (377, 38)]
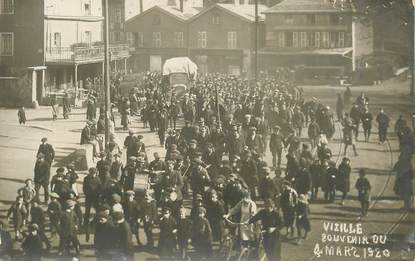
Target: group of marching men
[(215, 160)]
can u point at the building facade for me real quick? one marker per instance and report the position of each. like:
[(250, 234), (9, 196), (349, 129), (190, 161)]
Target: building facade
[(66, 45), (218, 38), (312, 37), (158, 34), (222, 38)]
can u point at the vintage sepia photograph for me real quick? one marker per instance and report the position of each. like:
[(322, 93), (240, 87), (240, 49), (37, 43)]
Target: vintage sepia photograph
[(207, 130)]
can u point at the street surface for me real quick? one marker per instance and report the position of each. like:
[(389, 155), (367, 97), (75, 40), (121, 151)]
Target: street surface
[(18, 146)]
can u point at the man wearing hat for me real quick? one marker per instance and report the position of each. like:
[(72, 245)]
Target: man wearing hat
[(116, 167), (130, 143), (38, 218), (271, 223), (72, 177), (68, 227), (122, 236), (234, 143), (171, 139), (92, 189), (254, 141), (47, 150), (172, 181), (343, 178), (199, 177), (249, 172), (60, 184), (188, 132), (103, 237), (168, 231), (32, 244), (87, 137), (42, 176), (130, 170), (276, 145), (267, 187), (202, 235), (54, 212)]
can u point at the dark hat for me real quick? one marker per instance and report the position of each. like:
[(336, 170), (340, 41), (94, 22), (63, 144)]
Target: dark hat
[(104, 207), (269, 202), (60, 169), (44, 139), (199, 197), (103, 214), (116, 198)]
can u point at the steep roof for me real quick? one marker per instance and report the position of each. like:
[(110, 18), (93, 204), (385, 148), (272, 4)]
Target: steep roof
[(311, 6), (173, 11), (244, 11)]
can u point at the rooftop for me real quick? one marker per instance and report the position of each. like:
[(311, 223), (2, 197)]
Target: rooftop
[(311, 6), (244, 11), (188, 12)]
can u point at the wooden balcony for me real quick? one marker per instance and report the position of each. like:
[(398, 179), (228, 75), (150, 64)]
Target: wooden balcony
[(85, 55)]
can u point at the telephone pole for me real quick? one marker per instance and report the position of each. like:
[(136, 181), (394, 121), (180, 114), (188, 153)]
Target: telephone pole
[(256, 41), (106, 74)]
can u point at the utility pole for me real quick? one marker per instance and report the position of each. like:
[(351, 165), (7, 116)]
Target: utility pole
[(106, 74), (412, 52), (256, 41)]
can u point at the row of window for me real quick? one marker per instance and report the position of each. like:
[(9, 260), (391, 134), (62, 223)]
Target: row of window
[(312, 19), (307, 39), (137, 39), (6, 6)]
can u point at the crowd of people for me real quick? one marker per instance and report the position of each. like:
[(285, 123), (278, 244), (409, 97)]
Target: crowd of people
[(213, 183)]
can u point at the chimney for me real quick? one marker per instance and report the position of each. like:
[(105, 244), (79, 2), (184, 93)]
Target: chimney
[(141, 6), (181, 5)]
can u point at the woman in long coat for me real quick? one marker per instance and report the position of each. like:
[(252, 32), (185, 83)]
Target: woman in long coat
[(343, 178)]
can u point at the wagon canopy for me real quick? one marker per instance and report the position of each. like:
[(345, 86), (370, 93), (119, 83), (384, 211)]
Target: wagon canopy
[(180, 65)]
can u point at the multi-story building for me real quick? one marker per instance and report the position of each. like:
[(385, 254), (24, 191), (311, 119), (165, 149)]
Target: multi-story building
[(157, 34), (314, 37), (219, 38), (56, 45), (222, 38)]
